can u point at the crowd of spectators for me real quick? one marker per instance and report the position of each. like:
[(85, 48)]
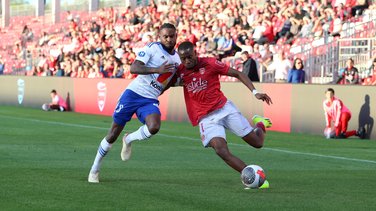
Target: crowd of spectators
[(105, 43)]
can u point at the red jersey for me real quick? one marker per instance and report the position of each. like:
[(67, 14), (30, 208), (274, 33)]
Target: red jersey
[(202, 89)]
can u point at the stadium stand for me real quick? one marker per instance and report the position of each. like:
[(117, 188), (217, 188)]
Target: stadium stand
[(104, 43)]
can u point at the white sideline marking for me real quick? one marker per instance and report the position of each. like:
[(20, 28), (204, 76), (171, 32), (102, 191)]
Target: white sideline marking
[(282, 150), (193, 139)]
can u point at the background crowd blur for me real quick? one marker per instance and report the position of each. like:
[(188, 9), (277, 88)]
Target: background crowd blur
[(322, 35)]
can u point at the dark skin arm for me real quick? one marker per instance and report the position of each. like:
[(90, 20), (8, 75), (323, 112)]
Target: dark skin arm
[(248, 83), (139, 68)]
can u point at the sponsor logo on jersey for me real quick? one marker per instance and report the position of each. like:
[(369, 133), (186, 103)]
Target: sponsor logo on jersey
[(201, 70), (21, 90), (102, 92), (197, 85), (219, 63), (141, 53), (155, 85)]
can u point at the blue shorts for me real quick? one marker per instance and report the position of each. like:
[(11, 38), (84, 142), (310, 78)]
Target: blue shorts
[(132, 103)]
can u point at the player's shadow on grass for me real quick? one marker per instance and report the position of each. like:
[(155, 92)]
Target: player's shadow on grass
[(365, 119)]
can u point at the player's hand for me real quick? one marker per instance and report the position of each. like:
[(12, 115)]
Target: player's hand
[(165, 68), (264, 97)]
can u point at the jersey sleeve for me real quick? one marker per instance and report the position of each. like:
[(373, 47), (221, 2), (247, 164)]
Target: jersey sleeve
[(146, 53), (220, 67)]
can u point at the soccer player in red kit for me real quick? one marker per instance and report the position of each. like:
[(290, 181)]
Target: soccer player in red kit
[(211, 110), (340, 115)]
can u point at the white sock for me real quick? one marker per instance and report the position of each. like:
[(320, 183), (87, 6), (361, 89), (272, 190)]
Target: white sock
[(141, 134), (103, 148)]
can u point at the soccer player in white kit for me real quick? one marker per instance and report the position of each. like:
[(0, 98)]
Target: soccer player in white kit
[(208, 108), (155, 65)]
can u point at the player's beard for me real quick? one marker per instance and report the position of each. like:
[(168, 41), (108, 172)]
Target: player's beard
[(168, 49)]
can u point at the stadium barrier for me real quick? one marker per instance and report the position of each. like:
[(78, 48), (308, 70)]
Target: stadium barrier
[(295, 108)]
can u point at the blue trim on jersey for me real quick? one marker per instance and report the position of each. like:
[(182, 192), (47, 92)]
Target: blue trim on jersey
[(165, 52), (132, 103), (161, 47), (152, 43)]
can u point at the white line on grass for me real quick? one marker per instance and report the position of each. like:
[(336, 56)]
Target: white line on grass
[(194, 139), (283, 151)]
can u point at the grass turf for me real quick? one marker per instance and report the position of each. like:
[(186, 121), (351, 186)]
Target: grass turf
[(45, 158)]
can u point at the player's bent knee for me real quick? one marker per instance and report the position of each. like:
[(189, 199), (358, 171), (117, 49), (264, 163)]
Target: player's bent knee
[(153, 129)]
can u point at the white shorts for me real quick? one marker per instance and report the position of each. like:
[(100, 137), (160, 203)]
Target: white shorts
[(228, 117)]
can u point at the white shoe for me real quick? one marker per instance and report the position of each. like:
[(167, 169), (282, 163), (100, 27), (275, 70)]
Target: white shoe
[(126, 151), (93, 177)]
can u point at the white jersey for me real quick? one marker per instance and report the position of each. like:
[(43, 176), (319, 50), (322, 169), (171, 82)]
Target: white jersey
[(152, 85)]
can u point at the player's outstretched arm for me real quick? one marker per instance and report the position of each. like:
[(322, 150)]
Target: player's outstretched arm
[(138, 67), (248, 83), (174, 82)]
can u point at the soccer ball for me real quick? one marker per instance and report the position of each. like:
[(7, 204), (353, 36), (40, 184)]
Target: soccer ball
[(329, 133), (253, 176), (46, 107)]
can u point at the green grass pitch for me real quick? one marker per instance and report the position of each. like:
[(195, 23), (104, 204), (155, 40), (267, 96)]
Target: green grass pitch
[(45, 159)]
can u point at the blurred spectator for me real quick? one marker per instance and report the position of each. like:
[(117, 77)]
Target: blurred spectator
[(359, 7), (371, 79), (69, 16), (307, 25), (267, 34), (225, 46), (337, 27), (27, 34), (266, 56), (349, 74), (44, 39), (19, 52), (94, 72), (2, 65), (285, 30), (249, 67), (281, 65), (296, 74)]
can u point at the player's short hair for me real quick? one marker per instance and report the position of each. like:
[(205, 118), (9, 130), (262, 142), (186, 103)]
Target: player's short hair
[(186, 45), (245, 53), (167, 26), (53, 91), (330, 90)]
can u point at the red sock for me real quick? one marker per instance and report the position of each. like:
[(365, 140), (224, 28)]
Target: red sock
[(261, 125), (350, 133)]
